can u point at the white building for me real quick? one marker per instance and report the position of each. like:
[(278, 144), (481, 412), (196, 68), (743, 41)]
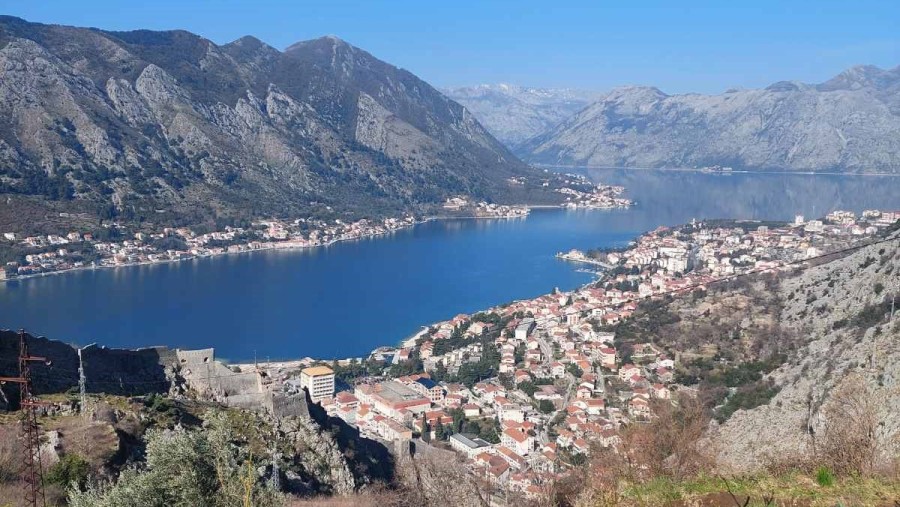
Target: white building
[(318, 381), (470, 445), (524, 329)]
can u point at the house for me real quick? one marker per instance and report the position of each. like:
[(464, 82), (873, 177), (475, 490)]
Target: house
[(346, 399), (402, 355), (426, 350), (665, 374), (608, 357), (628, 371), (471, 410), (392, 430), (557, 369), (525, 327), (517, 440), (549, 393), (595, 406), (583, 392), (430, 389), (608, 438), (660, 391), (580, 446), (639, 407), (515, 460), (477, 328)]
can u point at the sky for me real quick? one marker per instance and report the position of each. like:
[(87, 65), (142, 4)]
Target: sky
[(679, 46)]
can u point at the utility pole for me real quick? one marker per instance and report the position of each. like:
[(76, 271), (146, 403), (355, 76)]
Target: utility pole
[(32, 470)]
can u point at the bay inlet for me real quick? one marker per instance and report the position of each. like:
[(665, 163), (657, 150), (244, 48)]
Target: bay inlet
[(348, 298)]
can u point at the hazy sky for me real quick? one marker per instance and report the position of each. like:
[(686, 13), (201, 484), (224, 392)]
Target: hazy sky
[(677, 45)]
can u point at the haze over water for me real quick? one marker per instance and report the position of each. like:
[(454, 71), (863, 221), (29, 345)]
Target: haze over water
[(345, 300)]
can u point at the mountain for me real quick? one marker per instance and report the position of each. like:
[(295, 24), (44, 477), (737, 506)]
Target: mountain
[(514, 114), (169, 126), (850, 123)]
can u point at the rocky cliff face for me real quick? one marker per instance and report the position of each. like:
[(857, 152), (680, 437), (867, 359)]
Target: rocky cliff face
[(168, 125), (849, 124), (514, 114), (841, 310)]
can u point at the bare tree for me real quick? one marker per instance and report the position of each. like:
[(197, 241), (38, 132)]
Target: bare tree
[(849, 443), (439, 478)]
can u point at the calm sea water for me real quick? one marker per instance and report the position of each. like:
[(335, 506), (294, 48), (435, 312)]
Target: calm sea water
[(348, 298)]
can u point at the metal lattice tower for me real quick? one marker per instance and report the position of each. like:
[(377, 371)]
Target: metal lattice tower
[(82, 384), (32, 470)]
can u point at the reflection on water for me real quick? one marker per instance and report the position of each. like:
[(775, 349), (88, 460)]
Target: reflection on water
[(346, 299), (753, 196)]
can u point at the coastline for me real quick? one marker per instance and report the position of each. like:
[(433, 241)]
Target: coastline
[(269, 246), (287, 245), (723, 173)]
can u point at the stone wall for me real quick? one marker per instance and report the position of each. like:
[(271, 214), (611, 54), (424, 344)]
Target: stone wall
[(112, 371)]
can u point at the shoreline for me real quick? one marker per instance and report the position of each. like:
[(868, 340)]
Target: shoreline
[(272, 246), (275, 246), (717, 173)]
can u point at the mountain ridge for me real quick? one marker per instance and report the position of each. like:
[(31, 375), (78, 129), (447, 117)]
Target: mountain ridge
[(125, 124), (849, 123), (516, 113)]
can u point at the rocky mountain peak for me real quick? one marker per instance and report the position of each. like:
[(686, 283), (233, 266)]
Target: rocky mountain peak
[(786, 126), (146, 120), (862, 76), (515, 113)]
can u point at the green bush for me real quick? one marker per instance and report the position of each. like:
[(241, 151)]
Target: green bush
[(824, 477), (546, 406), (70, 470), (186, 468)]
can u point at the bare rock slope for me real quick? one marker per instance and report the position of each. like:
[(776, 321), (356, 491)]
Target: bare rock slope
[(850, 123), (169, 125), (514, 114), (841, 310)]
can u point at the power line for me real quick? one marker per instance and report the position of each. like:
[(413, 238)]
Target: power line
[(32, 468)]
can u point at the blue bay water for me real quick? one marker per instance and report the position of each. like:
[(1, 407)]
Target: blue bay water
[(346, 299)]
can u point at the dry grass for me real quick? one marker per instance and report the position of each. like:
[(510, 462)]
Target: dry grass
[(758, 491), (9, 453), (95, 441), (385, 499)]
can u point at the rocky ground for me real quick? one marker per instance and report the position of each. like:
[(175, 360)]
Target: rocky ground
[(839, 310)]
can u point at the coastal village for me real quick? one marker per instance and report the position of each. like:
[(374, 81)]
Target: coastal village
[(79, 250), (524, 392)]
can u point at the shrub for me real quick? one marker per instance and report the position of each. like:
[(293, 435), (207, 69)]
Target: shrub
[(872, 314), (70, 470), (824, 477), (848, 443), (186, 468)]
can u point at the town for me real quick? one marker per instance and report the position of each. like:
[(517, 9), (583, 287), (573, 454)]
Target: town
[(54, 253), (525, 392), (115, 245)]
